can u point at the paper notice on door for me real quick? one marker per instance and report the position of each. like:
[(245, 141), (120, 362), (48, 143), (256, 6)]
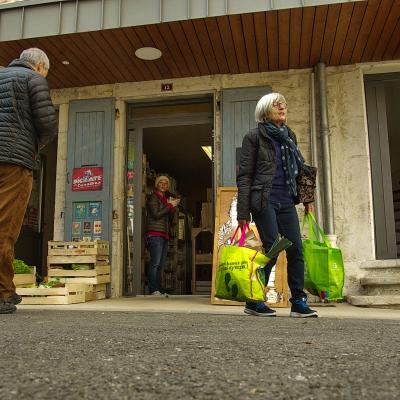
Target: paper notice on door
[(97, 227)]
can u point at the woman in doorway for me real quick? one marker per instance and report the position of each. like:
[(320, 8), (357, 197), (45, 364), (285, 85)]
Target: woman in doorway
[(160, 212), (269, 164)]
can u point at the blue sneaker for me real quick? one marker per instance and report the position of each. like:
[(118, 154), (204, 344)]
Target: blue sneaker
[(300, 309), (259, 310)]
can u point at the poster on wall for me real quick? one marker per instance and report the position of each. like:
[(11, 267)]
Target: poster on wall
[(87, 220), (97, 227), (87, 227), (80, 211), (87, 179), (76, 228), (95, 210)]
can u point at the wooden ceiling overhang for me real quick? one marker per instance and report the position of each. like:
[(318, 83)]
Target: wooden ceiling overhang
[(336, 34)]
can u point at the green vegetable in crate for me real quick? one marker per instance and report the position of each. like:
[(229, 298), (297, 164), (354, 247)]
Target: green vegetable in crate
[(81, 267), (52, 284), (20, 267)]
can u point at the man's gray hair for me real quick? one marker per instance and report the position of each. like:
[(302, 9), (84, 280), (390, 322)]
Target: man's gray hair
[(265, 104), (35, 56)]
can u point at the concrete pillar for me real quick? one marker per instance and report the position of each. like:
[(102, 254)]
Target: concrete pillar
[(118, 200), (59, 209)]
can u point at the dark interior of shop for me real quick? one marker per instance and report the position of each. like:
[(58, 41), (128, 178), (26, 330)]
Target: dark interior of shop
[(180, 153), (177, 151)]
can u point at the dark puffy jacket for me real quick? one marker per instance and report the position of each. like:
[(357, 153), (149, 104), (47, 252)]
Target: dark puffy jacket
[(158, 215), (27, 115), (256, 171)]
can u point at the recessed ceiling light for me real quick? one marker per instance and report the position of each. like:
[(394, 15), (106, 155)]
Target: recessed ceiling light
[(65, 62), (148, 53)]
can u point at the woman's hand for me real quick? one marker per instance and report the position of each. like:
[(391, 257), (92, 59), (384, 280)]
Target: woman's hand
[(243, 222), (308, 207), (174, 202)]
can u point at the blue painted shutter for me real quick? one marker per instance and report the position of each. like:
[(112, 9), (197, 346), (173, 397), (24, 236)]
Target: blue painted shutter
[(90, 144), (238, 107)]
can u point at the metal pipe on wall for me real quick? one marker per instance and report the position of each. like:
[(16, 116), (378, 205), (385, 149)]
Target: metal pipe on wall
[(326, 153), (314, 147)]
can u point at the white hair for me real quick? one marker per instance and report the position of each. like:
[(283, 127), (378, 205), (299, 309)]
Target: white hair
[(35, 56), (265, 104), (161, 178)]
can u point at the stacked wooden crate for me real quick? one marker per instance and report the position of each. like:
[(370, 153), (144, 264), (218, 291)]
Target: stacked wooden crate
[(69, 294), (25, 280), (93, 255), (74, 285)]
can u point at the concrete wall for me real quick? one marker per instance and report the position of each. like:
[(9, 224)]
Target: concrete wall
[(353, 215), (350, 163), (351, 176)]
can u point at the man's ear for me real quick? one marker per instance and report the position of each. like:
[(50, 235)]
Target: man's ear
[(41, 69)]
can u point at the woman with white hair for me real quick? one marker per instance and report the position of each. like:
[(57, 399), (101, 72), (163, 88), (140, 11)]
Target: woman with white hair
[(269, 165), (160, 211)]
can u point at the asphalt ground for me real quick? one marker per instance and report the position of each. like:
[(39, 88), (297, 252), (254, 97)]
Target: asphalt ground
[(49, 354)]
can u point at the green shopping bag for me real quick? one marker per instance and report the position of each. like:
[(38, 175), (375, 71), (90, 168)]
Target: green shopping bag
[(324, 270), (240, 274)]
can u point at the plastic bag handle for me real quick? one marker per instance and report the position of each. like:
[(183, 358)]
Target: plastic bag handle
[(312, 223), (242, 235), (320, 231), (234, 235)]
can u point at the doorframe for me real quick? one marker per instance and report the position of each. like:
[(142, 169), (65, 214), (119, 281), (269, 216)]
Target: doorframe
[(382, 195), (138, 126)]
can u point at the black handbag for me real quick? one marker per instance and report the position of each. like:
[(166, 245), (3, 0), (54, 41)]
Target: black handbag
[(306, 183)]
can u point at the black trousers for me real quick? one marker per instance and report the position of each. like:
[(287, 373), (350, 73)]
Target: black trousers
[(282, 219)]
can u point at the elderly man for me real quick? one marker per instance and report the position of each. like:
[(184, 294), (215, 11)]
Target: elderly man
[(27, 123)]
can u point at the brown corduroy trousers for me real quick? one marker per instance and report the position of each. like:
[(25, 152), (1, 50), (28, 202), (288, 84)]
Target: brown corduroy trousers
[(15, 190)]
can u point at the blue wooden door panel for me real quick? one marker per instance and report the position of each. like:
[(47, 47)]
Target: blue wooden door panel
[(90, 143), (238, 107), (385, 230)]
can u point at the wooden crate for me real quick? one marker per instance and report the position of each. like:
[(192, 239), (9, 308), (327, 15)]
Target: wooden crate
[(98, 275), (97, 247), (70, 294), (203, 287), (96, 292), (60, 261), (23, 280)]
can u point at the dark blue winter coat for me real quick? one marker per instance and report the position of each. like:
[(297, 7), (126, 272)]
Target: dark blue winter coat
[(27, 115)]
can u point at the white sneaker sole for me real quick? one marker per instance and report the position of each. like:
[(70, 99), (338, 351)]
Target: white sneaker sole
[(299, 315), (257, 314)]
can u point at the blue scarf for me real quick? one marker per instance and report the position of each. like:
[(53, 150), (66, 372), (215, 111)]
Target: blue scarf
[(292, 159)]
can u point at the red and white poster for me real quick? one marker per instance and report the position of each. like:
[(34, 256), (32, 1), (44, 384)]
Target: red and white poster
[(87, 179)]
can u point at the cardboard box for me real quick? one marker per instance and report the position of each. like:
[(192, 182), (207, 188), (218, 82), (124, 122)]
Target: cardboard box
[(209, 195), (206, 216)]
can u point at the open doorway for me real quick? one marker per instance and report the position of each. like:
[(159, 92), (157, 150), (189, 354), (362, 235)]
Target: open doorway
[(383, 110), (175, 140), (38, 225)]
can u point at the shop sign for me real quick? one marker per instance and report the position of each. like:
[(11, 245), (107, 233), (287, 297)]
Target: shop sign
[(87, 179)]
